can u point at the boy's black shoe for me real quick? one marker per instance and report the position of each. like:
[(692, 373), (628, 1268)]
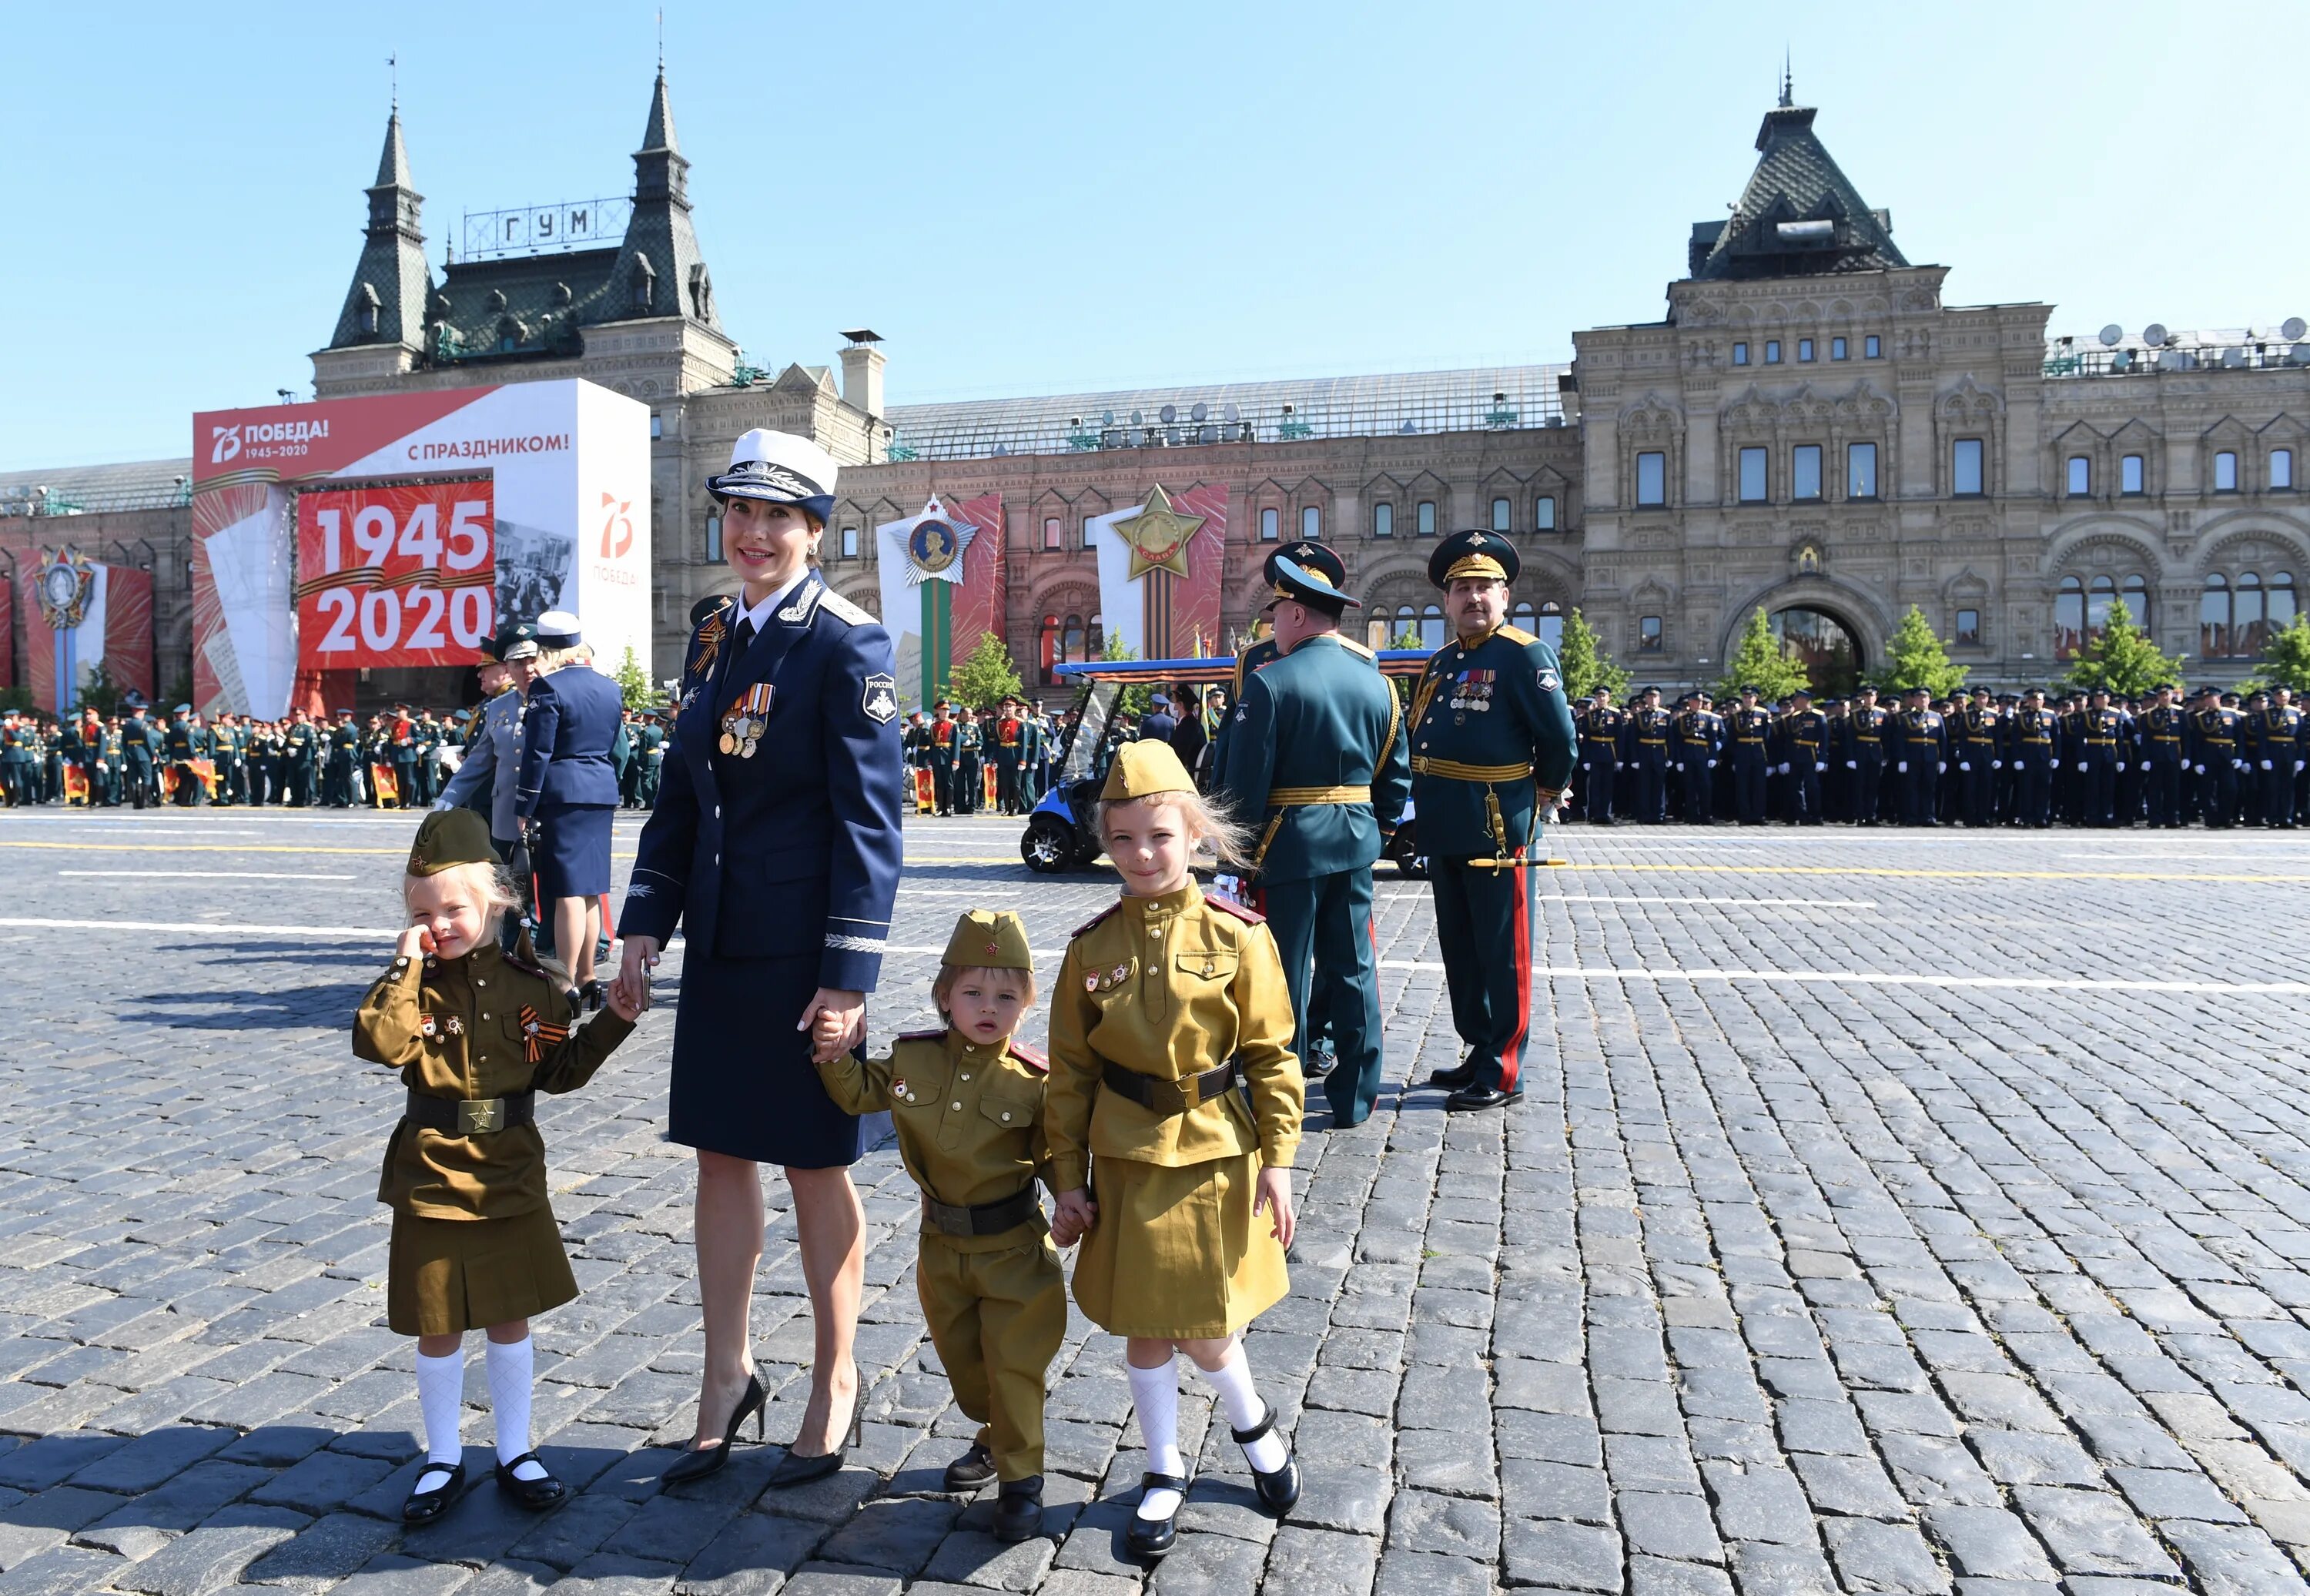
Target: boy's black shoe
[(971, 1470), (424, 1506), (1473, 1096), (1019, 1512)]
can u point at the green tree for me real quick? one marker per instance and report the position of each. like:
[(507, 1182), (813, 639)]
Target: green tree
[(633, 682), (2122, 658), (1136, 698), (1760, 660), (987, 677), (1409, 637), (2285, 659), (97, 691), (1914, 657), (1584, 665)]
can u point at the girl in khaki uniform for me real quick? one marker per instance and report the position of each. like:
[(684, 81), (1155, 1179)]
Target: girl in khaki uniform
[(968, 1103), (1167, 1006), (476, 1034)]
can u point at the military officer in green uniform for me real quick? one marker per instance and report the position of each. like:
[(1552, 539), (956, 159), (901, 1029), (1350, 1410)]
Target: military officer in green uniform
[(337, 789), (1317, 763), (1309, 555), (136, 753), (299, 746), (649, 760), (185, 743), (1491, 749)]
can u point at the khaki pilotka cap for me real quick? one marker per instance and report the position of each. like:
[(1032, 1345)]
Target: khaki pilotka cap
[(1143, 770), (449, 838), (988, 939)]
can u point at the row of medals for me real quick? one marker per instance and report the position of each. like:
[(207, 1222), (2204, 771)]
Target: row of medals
[(740, 735)]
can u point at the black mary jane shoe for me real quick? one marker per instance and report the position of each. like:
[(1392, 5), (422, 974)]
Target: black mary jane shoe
[(1152, 1537), (698, 1461), (972, 1471), (794, 1468), (424, 1506), (536, 1495), (1019, 1511), (1278, 1490), (1470, 1098)]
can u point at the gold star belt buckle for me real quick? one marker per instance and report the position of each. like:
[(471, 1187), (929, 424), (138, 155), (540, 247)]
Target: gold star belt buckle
[(480, 1116)]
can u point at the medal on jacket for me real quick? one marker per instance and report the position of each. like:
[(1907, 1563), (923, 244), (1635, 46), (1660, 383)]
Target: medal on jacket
[(743, 723), (537, 1035)]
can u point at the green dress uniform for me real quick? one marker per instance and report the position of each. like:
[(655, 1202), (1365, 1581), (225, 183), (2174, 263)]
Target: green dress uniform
[(1317, 761), (475, 1038), (969, 1119), (1172, 1085), (1491, 747)]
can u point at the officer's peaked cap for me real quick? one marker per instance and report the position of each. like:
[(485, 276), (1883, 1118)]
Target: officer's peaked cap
[(1310, 588), (988, 939), (1141, 770), (780, 468), (517, 641), (558, 629), (448, 838), (1473, 553), (1310, 554)]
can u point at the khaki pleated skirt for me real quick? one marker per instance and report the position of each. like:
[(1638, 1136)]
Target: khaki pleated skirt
[(446, 1277), (1176, 1253)]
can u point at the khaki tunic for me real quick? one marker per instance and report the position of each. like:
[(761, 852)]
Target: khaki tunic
[(473, 1240), (1171, 988), (969, 1120)]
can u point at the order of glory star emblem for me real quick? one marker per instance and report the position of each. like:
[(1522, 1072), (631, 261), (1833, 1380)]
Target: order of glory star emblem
[(1158, 537)]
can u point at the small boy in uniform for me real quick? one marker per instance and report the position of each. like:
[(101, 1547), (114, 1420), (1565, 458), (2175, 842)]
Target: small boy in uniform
[(476, 1034), (968, 1103)]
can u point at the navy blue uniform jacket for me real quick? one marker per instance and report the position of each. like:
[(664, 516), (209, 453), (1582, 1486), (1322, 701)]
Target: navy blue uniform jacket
[(567, 723), (795, 852)]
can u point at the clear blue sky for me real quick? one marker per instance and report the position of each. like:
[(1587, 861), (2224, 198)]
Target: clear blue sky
[(1039, 198)]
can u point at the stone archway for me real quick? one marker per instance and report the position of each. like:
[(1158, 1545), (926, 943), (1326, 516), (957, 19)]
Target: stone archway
[(1829, 645)]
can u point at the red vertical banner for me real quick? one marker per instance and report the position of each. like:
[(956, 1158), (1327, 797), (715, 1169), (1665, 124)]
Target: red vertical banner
[(128, 629), (978, 603), (8, 633), (1194, 599), (396, 576)]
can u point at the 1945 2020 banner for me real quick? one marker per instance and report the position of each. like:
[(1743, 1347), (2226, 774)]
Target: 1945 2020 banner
[(396, 576)]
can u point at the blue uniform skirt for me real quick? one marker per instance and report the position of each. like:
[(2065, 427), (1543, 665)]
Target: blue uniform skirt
[(743, 1081), (572, 855)]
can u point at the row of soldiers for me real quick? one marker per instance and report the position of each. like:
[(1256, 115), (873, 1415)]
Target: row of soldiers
[(958, 744), (138, 757), (1982, 760)]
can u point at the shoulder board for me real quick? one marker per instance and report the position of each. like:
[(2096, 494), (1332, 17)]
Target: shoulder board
[(1353, 646), (1515, 634), (833, 603), (937, 1035), (721, 604), (1034, 1059), (1095, 919), (1234, 910)]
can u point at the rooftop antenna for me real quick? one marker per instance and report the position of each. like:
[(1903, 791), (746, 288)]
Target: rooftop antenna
[(393, 71), (660, 41), (1788, 81)]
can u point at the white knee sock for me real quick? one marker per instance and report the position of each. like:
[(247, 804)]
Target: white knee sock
[(440, 1394), (1155, 1398), (511, 1364), (1232, 1381)]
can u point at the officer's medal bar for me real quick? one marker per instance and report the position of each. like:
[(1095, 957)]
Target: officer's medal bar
[(743, 723)]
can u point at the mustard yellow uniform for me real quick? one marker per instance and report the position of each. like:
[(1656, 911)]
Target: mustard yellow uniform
[(1154, 998)]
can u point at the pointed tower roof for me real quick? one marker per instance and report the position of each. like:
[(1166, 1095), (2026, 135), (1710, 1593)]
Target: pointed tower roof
[(392, 283), (393, 164), (660, 270), (1800, 215), (659, 134)]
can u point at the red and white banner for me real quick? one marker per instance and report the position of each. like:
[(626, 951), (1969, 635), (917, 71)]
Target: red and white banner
[(115, 633), (401, 576)]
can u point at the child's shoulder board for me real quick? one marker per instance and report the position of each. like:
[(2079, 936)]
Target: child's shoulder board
[(1228, 906), (1033, 1058), (936, 1035), (1095, 919)]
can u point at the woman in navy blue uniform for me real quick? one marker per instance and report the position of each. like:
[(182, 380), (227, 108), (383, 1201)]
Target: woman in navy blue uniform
[(565, 792), (775, 843)]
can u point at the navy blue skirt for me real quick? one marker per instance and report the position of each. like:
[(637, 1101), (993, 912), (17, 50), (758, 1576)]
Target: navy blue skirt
[(742, 1081), (572, 855)]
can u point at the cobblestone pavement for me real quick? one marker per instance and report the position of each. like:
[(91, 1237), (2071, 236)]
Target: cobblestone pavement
[(1890, 1212)]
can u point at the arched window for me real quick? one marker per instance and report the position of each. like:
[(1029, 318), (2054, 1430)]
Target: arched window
[(2137, 600), (1375, 632), (1048, 650), (1095, 638), (2214, 617), (2247, 632), (2281, 601), (1550, 630), (1524, 618), (2069, 619), (2098, 594), (1431, 627), (1070, 640)]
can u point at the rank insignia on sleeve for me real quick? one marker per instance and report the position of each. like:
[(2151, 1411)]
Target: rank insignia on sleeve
[(880, 699), (1549, 682)]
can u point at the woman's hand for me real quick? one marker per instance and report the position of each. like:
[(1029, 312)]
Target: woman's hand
[(630, 992), (415, 942), (1073, 1214), (1274, 1195), (847, 1008)]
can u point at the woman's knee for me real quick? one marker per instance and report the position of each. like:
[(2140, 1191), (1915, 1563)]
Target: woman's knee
[(720, 1169)]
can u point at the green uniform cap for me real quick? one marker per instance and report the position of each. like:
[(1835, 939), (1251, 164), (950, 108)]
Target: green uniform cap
[(988, 939), (449, 838), (1141, 770)]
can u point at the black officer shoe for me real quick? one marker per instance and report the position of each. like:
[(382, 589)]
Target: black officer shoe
[(1471, 1097), (424, 1506), (1458, 1078), (1152, 1537), (536, 1495), (1019, 1512), (973, 1469), (1277, 1490)]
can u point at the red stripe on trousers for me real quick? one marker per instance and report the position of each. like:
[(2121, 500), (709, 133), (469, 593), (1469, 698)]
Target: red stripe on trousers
[(1511, 1055)]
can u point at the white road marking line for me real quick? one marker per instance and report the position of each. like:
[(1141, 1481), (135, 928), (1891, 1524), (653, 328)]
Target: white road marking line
[(1730, 903), (388, 933), (206, 875), (957, 892)]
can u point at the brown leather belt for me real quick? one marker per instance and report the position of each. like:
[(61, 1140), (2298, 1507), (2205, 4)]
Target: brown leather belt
[(471, 1117), (982, 1219), (1169, 1097)]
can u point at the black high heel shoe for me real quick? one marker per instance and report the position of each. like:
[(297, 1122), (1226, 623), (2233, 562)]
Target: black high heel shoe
[(1279, 1490), (698, 1461), (794, 1468), (591, 996)]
